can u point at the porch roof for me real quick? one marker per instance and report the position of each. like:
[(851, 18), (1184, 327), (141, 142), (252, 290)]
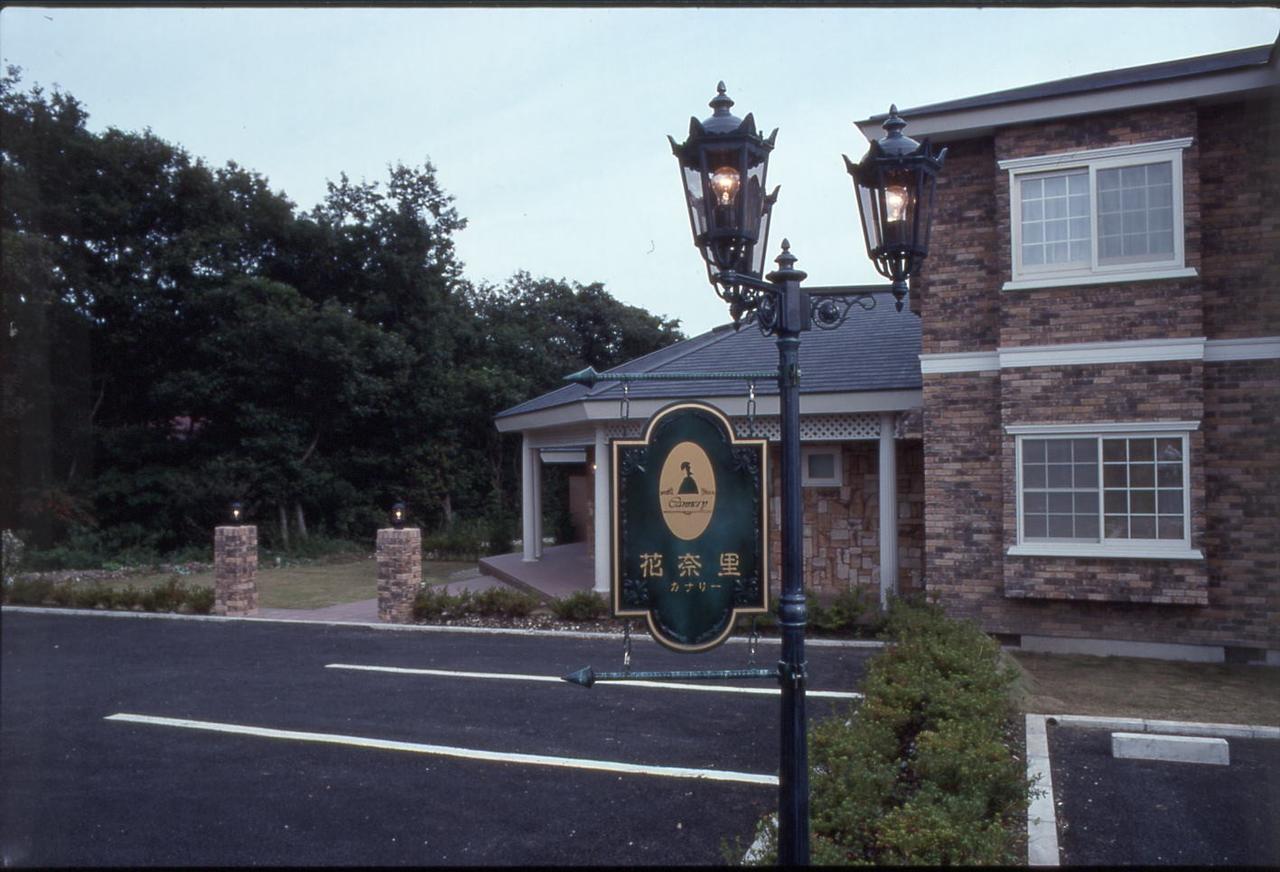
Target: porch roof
[(876, 350)]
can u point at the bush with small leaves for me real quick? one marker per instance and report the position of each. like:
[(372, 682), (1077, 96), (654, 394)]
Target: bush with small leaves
[(920, 773), (583, 605), (503, 602)]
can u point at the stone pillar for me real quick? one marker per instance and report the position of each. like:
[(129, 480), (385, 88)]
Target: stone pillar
[(399, 573), (601, 519), (235, 570), (888, 509)]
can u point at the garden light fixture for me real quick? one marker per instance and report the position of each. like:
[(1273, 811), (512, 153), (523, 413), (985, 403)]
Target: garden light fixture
[(398, 515), (894, 184), (237, 512)]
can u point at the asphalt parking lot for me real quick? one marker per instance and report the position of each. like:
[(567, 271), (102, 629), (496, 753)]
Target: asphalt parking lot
[(1146, 812), (255, 743)]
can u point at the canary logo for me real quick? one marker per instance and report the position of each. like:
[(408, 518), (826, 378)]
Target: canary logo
[(687, 491)]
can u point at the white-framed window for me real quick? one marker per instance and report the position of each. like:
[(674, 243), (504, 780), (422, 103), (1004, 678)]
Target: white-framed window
[(1108, 214), (1120, 490), (820, 467)]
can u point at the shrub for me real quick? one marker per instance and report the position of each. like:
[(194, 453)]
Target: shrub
[(167, 597), (500, 530), (433, 604), (921, 775), (458, 541), (200, 599), (584, 605), (842, 615), (503, 602)]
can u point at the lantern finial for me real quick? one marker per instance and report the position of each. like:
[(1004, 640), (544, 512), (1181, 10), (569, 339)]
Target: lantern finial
[(894, 124)]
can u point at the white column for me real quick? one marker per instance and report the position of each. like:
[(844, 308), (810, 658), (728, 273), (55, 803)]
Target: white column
[(603, 512), (888, 510), (529, 462), (537, 504)]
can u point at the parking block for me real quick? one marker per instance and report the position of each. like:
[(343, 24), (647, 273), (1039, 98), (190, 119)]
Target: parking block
[(1173, 749)]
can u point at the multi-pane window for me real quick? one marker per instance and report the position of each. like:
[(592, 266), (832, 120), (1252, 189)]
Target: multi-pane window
[(1143, 494), (1089, 215), (1135, 213), (1055, 219), (1102, 488)]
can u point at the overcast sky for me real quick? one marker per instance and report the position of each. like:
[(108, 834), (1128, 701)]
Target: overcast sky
[(549, 126)]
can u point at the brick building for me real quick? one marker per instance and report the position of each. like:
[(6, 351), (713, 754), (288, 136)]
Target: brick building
[(1085, 450), (1100, 337)]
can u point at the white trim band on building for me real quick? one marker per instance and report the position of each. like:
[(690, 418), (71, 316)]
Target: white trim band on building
[(1093, 429), (1071, 158), (1081, 353)]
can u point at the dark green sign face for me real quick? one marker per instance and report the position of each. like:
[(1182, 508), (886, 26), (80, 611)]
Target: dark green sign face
[(690, 527)]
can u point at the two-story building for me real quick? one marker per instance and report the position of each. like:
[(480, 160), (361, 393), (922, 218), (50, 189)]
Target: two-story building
[(1100, 338), (1098, 373)]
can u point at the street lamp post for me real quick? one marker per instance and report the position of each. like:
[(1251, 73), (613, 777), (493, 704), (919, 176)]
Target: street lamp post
[(723, 167)]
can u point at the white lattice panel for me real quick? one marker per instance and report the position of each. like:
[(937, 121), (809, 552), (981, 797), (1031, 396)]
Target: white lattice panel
[(813, 428)]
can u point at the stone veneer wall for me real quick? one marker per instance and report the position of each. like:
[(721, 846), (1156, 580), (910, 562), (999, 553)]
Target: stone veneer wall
[(399, 554), (1230, 182), (842, 525), (235, 570)]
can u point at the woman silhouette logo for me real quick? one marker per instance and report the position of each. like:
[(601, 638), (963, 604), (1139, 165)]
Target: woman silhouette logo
[(689, 485)]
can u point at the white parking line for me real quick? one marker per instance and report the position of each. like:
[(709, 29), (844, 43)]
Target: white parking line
[(449, 751), (515, 676)]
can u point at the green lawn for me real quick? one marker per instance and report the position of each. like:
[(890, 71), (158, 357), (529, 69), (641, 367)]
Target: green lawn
[(313, 585)]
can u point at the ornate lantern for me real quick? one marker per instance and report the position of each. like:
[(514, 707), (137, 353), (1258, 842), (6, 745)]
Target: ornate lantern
[(237, 512), (398, 513), (894, 184), (722, 167)]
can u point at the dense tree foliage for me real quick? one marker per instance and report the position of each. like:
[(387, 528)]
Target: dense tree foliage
[(177, 335)]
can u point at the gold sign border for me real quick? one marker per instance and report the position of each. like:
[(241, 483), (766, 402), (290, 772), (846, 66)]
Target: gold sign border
[(615, 574)]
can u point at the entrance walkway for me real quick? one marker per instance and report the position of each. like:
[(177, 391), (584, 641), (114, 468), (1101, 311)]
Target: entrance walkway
[(563, 570)]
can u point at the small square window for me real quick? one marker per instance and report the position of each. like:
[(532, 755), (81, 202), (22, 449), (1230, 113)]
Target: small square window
[(821, 467)]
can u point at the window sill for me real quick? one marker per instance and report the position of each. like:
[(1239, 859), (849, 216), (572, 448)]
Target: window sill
[(1115, 278), (1067, 549)]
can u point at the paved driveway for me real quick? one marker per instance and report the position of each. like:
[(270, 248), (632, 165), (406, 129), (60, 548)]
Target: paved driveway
[(238, 742), (1149, 812)]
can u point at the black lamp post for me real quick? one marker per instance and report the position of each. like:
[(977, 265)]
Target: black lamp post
[(397, 515), (722, 167), (236, 512)]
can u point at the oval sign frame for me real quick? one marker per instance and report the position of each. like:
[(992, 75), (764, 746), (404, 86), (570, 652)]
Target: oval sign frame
[(690, 526)]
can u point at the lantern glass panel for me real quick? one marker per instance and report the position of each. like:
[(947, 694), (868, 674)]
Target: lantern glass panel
[(870, 213), (697, 205), (760, 252)]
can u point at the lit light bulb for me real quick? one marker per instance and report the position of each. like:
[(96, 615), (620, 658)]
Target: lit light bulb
[(725, 182), (895, 203)]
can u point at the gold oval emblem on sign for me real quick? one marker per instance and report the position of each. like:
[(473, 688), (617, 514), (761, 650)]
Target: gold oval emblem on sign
[(687, 490)]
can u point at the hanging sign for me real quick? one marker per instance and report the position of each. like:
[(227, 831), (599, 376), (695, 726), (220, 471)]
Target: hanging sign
[(690, 527)]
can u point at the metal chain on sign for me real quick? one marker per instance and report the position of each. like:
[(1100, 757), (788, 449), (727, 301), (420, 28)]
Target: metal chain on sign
[(751, 408), (626, 647), (626, 401), (752, 640)]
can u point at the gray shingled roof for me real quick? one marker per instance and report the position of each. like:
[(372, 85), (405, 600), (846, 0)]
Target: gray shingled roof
[(1259, 55), (873, 351)]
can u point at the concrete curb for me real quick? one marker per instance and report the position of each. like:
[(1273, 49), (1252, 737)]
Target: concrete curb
[(423, 628), (1042, 817), (1146, 725)]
